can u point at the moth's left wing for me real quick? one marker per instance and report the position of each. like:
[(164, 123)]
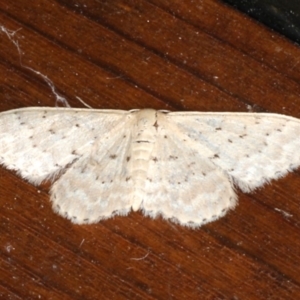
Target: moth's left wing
[(38, 142)]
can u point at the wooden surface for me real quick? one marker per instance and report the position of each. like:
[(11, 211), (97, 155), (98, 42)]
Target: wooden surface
[(175, 55)]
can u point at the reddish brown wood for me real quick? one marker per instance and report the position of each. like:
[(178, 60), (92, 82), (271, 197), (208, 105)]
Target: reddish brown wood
[(177, 55)]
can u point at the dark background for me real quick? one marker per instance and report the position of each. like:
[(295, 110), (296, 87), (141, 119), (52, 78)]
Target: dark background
[(280, 15)]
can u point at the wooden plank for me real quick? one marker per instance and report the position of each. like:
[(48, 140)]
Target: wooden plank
[(176, 55)]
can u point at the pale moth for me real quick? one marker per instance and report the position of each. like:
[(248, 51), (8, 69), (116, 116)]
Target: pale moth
[(180, 165)]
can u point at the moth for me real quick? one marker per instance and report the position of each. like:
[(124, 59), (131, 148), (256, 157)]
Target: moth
[(183, 166)]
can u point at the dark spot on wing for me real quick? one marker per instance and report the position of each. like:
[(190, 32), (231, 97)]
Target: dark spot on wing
[(171, 157)]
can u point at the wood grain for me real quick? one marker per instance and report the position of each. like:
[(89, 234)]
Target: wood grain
[(176, 55)]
